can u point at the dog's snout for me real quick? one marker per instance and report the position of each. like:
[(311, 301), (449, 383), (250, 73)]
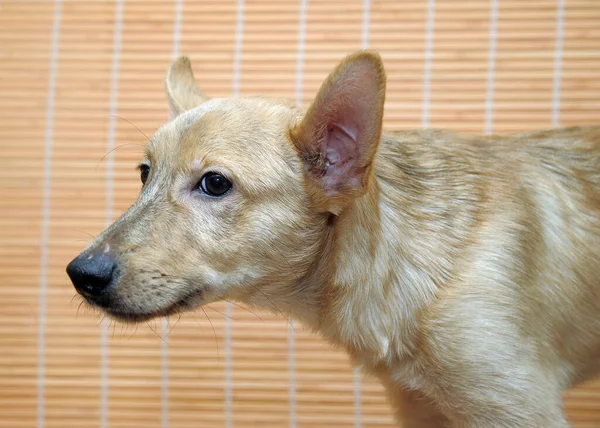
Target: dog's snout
[(92, 274)]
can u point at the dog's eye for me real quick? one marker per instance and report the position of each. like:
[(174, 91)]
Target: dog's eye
[(214, 184), (144, 171)]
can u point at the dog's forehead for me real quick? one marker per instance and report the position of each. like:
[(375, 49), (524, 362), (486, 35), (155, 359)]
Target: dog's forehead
[(236, 133), (225, 119)]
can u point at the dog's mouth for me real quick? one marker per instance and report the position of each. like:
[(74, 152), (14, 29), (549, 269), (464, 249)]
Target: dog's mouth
[(120, 313)]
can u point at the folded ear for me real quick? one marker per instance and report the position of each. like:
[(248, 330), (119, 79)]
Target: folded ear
[(340, 132), (181, 88)]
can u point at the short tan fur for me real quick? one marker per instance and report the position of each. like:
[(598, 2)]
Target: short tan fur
[(464, 272)]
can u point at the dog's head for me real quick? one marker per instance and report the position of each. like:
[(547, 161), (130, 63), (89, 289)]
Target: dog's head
[(236, 196)]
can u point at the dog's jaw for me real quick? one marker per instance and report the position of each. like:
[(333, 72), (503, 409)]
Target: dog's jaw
[(187, 303)]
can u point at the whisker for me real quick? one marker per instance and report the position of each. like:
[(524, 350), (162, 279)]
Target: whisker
[(113, 149), (241, 307), (78, 308), (87, 233), (201, 325), (220, 312), (141, 132), (176, 322), (213, 329), (155, 332), (135, 327)]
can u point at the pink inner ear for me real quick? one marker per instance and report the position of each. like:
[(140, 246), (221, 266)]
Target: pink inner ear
[(341, 158)]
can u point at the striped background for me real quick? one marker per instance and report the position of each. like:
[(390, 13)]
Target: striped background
[(75, 76)]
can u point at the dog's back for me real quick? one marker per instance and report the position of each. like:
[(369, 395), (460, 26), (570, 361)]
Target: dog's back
[(564, 184), (515, 222)]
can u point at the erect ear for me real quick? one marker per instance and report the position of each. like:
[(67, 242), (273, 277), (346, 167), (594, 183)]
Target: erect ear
[(181, 88), (340, 132)]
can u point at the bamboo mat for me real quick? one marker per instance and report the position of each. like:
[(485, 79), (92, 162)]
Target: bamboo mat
[(69, 70)]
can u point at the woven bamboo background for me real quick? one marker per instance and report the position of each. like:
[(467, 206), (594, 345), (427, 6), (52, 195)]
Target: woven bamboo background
[(69, 70)]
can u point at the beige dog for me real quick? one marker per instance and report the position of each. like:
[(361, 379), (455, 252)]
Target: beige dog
[(464, 272)]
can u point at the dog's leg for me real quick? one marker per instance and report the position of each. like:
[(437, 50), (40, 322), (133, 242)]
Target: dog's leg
[(413, 410)]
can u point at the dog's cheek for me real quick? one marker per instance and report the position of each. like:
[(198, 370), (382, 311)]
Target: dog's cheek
[(287, 241)]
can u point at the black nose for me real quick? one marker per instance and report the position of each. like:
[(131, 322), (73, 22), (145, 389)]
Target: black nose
[(92, 274)]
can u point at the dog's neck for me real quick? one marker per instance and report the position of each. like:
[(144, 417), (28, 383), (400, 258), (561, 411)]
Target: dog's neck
[(388, 253), (375, 290)]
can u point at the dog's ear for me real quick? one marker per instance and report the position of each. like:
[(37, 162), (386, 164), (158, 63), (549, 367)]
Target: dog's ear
[(181, 88), (340, 133)]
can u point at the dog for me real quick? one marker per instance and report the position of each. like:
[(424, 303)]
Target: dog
[(462, 271)]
